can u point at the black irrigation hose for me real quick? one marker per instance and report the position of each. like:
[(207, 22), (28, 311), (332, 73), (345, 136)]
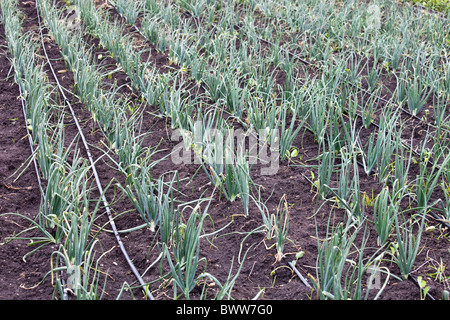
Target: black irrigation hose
[(97, 179)]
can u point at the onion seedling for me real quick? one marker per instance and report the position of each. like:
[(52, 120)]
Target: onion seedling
[(428, 178), (343, 187), (186, 251), (288, 134), (333, 253), (281, 224), (401, 167), (445, 203)]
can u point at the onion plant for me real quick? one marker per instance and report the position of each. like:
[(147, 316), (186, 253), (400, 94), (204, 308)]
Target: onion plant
[(69, 212), (401, 88), (83, 280), (29, 75), (395, 55), (215, 83), (36, 94), (373, 77), (374, 151), (209, 145), (44, 152), (186, 252), (197, 67), (357, 203), (150, 28), (168, 221), (236, 97), (175, 104), (132, 153), (445, 203), (386, 157), (58, 194), (262, 116), (77, 251), (417, 94), (281, 226), (440, 116), (267, 217), (325, 170), (237, 181), (407, 243), (117, 130), (402, 164), (354, 204)]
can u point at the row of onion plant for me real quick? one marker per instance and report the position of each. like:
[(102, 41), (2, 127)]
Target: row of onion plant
[(217, 87), (385, 160), (66, 212)]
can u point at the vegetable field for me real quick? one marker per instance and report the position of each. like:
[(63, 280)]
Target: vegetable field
[(238, 149)]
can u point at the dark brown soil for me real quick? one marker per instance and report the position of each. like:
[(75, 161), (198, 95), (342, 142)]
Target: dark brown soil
[(27, 279)]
